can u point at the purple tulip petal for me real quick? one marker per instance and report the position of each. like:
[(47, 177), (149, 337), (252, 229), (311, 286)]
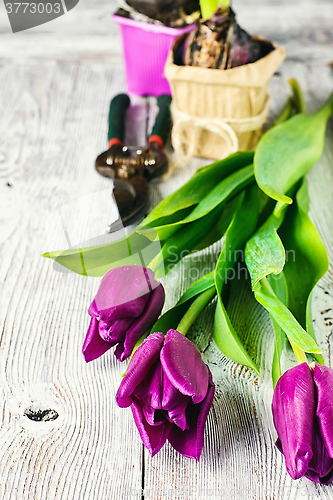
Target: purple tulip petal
[(320, 467), (93, 311), (190, 442), (293, 409), (94, 346), (124, 291), (119, 350), (114, 312), (127, 309), (152, 416), (175, 403), (323, 379), (183, 365), (143, 323), (153, 437), (140, 364), (127, 304), (116, 331), (150, 393), (159, 409)]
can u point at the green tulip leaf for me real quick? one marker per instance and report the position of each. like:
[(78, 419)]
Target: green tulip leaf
[(264, 251), (284, 318), (227, 339), (224, 190), (190, 235), (264, 256), (218, 231), (279, 286), (171, 318), (182, 243), (139, 249), (241, 227), (201, 285), (97, 260), (287, 151), (306, 261), (198, 186)]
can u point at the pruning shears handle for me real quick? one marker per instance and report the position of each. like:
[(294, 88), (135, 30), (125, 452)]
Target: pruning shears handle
[(162, 126), (117, 117)]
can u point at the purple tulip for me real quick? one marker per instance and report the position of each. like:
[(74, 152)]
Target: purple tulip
[(170, 391), (127, 304), (303, 417)]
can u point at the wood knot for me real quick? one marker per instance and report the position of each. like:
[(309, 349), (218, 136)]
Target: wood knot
[(36, 414)]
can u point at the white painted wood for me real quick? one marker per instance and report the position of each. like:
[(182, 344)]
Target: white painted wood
[(87, 32), (54, 97), (44, 312)]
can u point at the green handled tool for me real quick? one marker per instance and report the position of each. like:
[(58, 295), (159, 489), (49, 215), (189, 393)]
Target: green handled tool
[(130, 167), (123, 161)]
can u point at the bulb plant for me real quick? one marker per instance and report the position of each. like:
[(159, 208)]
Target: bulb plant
[(209, 7), (218, 41)]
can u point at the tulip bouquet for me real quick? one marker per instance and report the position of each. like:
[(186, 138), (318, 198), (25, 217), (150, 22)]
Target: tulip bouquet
[(167, 384), (258, 202)]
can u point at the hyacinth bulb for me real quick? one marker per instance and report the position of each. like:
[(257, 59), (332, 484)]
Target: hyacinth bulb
[(220, 43)]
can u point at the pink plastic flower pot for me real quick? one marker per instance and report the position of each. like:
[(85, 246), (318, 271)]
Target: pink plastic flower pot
[(146, 47)]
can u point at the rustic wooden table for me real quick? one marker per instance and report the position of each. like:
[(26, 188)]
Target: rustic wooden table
[(56, 82)]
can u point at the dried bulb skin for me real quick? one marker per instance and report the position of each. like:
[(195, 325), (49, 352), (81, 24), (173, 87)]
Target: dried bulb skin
[(168, 12), (220, 43)]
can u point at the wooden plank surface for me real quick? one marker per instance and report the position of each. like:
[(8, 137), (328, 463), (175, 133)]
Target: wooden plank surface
[(56, 82), (87, 32)]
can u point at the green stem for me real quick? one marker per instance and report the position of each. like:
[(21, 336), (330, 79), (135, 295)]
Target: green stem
[(285, 113), (266, 285), (209, 7), (225, 4), (327, 109), (296, 101), (188, 319), (299, 353), (297, 95), (195, 309), (279, 339), (330, 100), (156, 262)]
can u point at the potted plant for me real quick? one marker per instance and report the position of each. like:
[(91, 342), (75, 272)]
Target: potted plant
[(218, 76), (148, 31)]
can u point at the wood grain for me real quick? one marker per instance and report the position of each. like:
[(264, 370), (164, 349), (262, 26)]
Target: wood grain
[(87, 32), (44, 311), (54, 100)]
